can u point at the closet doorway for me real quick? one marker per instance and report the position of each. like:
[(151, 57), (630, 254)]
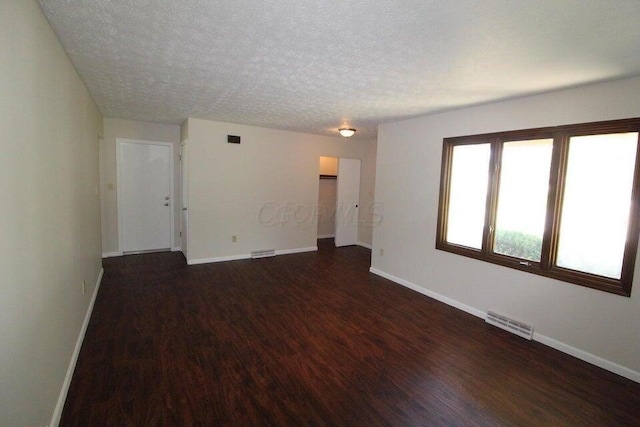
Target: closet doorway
[(327, 197), (338, 200)]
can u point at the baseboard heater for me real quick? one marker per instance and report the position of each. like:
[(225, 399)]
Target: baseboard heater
[(510, 325), (263, 253)]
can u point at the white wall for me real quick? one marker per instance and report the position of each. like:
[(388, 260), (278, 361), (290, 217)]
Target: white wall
[(272, 170), (128, 129), (50, 221), (407, 183)]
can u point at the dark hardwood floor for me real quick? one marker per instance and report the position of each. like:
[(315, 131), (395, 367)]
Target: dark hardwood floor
[(314, 339)]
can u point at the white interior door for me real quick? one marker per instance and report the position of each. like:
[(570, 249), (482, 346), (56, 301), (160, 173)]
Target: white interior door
[(145, 171), (348, 202), (184, 177)]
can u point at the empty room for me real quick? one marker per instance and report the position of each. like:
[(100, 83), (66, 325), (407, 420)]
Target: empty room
[(415, 213)]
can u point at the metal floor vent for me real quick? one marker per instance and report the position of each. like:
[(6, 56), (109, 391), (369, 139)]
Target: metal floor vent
[(264, 253), (513, 326)]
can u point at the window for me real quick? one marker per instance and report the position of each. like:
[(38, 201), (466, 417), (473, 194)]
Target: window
[(560, 202)]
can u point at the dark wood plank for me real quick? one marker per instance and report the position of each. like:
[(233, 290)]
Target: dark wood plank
[(314, 339)]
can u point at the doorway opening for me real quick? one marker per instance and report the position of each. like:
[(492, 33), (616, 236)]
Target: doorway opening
[(327, 198), (338, 200)]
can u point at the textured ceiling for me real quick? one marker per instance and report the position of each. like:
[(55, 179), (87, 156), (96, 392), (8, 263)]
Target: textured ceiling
[(313, 66)]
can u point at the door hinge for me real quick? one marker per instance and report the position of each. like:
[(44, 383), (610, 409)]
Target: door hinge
[(180, 157), (181, 234)]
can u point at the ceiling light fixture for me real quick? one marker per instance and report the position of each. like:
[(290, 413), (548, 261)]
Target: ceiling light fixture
[(346, 132)]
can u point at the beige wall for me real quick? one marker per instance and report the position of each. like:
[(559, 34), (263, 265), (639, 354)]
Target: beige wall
[(574, 318), (272, 172), (328, 165), (128, 129), (49, 128), (184, 130)]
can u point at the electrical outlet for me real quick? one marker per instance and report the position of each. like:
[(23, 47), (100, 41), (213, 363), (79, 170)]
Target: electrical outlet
[(381, 252), (84, 287), (234, 238)]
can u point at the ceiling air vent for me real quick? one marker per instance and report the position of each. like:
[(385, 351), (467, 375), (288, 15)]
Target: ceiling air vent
[(513, 326), (264, 253)]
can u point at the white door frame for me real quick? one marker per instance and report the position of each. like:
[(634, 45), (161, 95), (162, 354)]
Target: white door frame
[(184, 198), (119, 142)]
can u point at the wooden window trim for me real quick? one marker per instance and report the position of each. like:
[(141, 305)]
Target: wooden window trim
[(546, 267)]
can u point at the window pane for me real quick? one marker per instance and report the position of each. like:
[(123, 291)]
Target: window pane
[(522, 198), (597, 197), (468, 194)]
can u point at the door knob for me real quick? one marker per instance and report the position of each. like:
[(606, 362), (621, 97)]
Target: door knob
[(166, 204), (166, 198)]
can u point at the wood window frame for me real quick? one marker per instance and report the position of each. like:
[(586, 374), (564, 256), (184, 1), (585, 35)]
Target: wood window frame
[(547, 265)]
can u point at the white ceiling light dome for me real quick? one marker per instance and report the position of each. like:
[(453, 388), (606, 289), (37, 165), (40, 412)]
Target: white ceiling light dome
[(347, 132)]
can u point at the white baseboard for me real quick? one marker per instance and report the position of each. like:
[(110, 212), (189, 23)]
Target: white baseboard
[(57, 412), (364, 245), (115, 254), (296, 250), (588, 357), (111, 254), (247, 256), (217, 259), (430, 294), (327, 236), (565, 348)]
